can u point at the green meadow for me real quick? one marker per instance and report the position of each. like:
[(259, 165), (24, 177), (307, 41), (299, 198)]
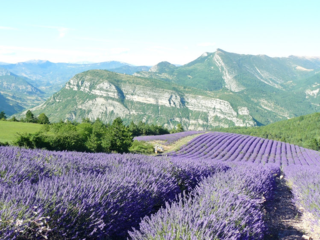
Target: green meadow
[(9, 130)]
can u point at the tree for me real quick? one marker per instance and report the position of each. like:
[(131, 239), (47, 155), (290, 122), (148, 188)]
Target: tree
[(93, 143), (86, 120), (134, 129), (84, 129), (13, 119), (313, 144), (3, 115), (43, 119), (30, 117), (118, 137), (179, 128)]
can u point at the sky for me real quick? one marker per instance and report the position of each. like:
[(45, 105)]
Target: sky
[(148, 32)]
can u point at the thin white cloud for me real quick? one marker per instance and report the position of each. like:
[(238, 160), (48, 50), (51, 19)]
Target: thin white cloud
[(206, 44), (63, 53), (93, 39), (46, 51), (61, 30), (159, 49), (162, 48), (119, 50), (7, 28)]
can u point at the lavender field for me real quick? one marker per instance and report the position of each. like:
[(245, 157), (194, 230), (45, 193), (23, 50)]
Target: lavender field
[(214, 187), (231, 147)]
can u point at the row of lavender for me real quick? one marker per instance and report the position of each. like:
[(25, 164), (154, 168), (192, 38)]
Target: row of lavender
[(223, 206), (305, 184), (103, 196), (78, 195), (301, 166), (236, 147), (167, 138)]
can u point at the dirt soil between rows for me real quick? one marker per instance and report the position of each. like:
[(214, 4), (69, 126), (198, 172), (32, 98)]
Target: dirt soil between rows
[(283, 218)]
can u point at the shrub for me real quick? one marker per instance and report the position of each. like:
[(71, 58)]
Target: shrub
[(4, 144), (141, 147)]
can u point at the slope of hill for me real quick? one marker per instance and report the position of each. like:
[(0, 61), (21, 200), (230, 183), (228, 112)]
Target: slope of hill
[(130, 69), (235, 72), (19, 93), (9, 130), (107, 95), (8, 106), (303, 131), (286, 86)]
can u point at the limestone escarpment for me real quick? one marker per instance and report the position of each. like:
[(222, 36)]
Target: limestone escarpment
[(107, 95), (86, 95)]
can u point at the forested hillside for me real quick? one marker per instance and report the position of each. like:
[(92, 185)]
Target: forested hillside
[(303, 131)]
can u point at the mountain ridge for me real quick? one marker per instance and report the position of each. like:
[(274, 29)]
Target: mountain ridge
[(106, 95), (218, 89), (50, 77)]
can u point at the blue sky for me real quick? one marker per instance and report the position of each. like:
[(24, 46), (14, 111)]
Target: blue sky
[(147, 32)]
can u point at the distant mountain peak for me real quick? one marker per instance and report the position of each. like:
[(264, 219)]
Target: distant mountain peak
[(205, 54), (162, 67), (305, 57), (220, 50), (37, 61)]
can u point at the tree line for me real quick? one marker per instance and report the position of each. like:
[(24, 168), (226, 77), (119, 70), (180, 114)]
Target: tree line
[(87, 136), (30, 118)]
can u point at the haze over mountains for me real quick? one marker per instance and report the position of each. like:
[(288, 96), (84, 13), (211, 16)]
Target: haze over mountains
[(218, 89), (50, 77)]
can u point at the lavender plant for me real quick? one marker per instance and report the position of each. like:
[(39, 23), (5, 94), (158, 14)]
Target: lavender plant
[(88, 196), (231, 147), (224, 206), (305, 183)]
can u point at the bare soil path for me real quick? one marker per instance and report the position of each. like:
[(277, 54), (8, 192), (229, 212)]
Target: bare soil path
[(283, 218)]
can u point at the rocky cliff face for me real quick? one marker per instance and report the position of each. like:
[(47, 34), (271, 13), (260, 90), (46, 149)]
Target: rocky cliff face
[(87, 95)]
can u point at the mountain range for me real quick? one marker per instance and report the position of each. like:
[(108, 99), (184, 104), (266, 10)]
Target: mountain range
[(218, 89), (236, 72), (27, 84), (51, 77)]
